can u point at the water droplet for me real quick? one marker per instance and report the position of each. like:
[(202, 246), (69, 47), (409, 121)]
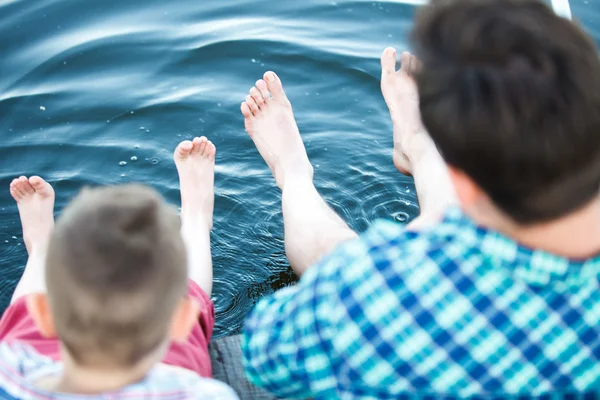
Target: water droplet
[(253, 60), (108, 121), (147, 130), (123, 175), (14, 237), (142, 128), (154, 161), (131, 112), (318, 165), (137, 146), (42, 108), (18, 244), (123, 163), (64, 62), (133, 158), (6, 241), (407, 190)]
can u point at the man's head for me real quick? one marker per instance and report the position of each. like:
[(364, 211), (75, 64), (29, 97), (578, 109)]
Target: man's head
[(510, 93), (116, 273)]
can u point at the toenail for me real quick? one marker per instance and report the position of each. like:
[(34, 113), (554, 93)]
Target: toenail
[(271, 77)]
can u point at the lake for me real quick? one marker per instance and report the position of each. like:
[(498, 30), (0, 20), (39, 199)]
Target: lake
[(99, 92)]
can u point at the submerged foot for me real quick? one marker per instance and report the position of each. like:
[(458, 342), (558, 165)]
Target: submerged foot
[(402, 98), (270, 122), (195, 161), (35, 200)]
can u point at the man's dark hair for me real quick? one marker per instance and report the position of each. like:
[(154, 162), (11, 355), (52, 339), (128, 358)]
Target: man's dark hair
[(510, 94), (116, 269)]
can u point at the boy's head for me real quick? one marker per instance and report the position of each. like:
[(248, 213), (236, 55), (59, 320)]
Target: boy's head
[(510, 93), (116, 273)]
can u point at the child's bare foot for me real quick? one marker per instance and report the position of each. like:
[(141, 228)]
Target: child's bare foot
[(195, 161), (35, 200), (270, 122), (402, 98)]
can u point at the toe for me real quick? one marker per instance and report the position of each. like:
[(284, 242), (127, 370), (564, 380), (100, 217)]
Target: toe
[(198, 143), (14, 191), (210, 150), (183, 150), (41, 187), (252, 104), (262, 88), (257, 96), (405, 62), (275, 87), (246, 110), (25, 186), (388, 64)]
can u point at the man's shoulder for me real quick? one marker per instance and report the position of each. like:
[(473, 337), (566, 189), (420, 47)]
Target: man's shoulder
[(389, 242)]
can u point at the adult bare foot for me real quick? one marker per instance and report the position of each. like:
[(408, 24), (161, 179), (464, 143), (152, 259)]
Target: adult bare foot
[(35, 200), (270, 122), (195, 161), (402, 98)]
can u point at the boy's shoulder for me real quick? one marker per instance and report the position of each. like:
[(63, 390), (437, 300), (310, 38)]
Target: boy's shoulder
[(20, 365)]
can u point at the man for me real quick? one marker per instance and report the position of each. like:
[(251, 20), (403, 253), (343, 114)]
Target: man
[(494, 290)]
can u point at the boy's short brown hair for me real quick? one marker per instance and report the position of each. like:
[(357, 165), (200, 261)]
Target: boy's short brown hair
[(116, 270)]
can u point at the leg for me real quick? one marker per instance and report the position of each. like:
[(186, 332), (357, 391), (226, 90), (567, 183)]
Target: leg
[(35, 200), (195, 161), (414, 151), (312, 229)]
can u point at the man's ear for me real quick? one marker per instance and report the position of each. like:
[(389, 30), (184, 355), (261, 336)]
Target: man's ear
[(468, 192), (186, 315), (39, 308)]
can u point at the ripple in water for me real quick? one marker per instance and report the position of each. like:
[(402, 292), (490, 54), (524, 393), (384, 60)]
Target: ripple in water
[(100, 92)]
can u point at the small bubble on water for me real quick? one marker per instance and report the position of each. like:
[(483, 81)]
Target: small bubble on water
[(318, 165), (390, 35), (18, 244), (137, 146), (6, 241), (123, 175), (253, 60), (42, 108), (123, 163), (407, 190), (142, 128), (131, 112), (14, 237), (154, 161), (262, 64), (147, 130), (108, 121), (133, 158), (64, 62)]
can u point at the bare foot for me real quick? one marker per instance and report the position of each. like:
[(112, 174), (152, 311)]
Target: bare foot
[(270, 122), (195, 161), (402, 98), (35, 200)]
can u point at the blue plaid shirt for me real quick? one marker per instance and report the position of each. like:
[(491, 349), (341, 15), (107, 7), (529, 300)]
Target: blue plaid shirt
[(454, 311)]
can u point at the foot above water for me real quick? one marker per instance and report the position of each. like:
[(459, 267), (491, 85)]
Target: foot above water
[(35, 200), (402, 98), (195, 161), (270, 122)]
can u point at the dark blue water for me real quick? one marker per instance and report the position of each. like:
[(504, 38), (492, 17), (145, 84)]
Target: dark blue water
[(88, 85)]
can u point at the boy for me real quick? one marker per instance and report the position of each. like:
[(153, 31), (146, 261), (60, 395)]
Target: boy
[(495, 297), (112, 317)]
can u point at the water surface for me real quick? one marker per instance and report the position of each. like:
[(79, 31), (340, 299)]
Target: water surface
[(86, 86)]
